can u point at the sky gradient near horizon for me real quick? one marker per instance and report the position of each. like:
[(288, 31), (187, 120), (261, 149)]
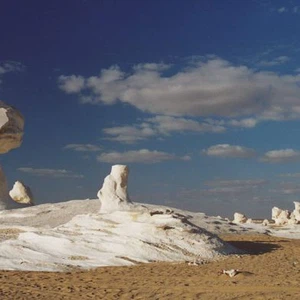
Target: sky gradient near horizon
[(201, 99)]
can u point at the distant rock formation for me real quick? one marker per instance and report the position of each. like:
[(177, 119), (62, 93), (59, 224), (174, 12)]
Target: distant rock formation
[(11, 133), (113, 194), (239, 218), (284, 217), (21, 193)]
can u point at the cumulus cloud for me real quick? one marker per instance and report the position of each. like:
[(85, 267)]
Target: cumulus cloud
[(55, 173), (71, 84), (229, 151), (281, 156), (209, 87), (138, 156), (82, 147)]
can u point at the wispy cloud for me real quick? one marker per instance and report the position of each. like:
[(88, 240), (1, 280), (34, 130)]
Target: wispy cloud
[(159, 126), (83, 147), (138, 156), (274, 62), (11, 66), (229, 151), (55, 173), (281, 156), (282, 10)]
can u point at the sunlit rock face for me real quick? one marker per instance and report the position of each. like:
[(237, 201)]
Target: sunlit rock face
[(296, 212), (21, 193), (239, 218), (281, 217), (11, 134), (11, 128), (113, 194)]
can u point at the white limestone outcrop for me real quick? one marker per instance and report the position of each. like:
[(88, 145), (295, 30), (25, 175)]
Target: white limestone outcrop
[(239, 218), (280, 216), (21, 193), (113, 194), (11, 128), (11, 134)]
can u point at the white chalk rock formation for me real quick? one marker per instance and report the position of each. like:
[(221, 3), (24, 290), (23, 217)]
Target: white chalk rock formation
[(113, 194), (11, 128), (296, 212), (11, 133), (239, 218), (281, 217), (21, 193), (265, 222)]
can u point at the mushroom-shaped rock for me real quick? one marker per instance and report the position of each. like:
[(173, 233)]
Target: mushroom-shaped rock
[(113, 194), (239, 218), (21, 193), (11, 133), (11, 128)]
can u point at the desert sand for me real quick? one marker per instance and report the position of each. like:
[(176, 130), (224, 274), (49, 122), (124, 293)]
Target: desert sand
[(270, 269)]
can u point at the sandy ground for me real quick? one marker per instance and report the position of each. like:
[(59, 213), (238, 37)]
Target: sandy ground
[(270, 270)]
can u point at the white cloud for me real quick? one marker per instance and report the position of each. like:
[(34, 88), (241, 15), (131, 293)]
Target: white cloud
[(246, 123), (237, 182), (138, 156), (71, 84), (130, 134), (159, 126), (207, 88), (169, 124), (296, 9), (282, 10), (55, 173), (290, 175), (230, 151), (281, 156), (274, 62), (83, 147), (11, 66)]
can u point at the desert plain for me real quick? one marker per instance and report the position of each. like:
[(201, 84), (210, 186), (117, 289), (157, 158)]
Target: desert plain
[(269, 269)]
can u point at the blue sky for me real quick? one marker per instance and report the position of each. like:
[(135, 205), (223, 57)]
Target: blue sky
[(201, 99)]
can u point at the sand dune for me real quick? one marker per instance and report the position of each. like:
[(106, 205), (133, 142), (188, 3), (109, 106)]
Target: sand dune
[(269, 270)]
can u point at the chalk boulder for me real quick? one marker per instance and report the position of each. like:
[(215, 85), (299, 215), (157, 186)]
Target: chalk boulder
[(239, 218), (113, 194), (11, 128), (21, 193)]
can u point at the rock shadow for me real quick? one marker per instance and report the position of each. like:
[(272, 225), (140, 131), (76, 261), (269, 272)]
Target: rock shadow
[(254, 247)]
